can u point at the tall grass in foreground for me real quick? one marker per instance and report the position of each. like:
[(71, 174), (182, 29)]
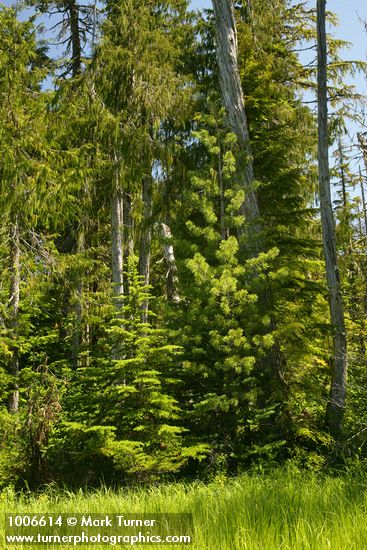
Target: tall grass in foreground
[(270, 512)]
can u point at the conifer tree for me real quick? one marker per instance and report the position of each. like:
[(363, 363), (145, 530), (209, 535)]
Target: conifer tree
[(74, 23), (289, 288), (125, 412), (23, 153), (148, 91)]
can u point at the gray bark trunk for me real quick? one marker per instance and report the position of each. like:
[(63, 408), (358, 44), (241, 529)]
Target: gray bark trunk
[(79, 280), (336, 405), (233, 100), (171, 276), (146, 238), (14, 312), (117, 254), (117, 246), (342, 173), (128, 231), (364, 208), (363, 145)]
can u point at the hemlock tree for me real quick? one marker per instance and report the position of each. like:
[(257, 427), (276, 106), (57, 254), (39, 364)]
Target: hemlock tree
[(74, 23), (75, 26), (23, 151), (138, 88)]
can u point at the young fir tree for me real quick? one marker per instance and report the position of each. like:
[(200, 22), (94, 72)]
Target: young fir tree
[(124, 412)]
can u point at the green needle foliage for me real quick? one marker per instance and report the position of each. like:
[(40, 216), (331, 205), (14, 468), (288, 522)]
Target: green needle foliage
[(146, 332)]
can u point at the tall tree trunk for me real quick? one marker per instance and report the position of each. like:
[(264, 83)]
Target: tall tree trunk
[(342, 173), (171, 276), (128, 233), (363, 145), (364, 208), (336, 404), (363, 233), (117, 254), (233, 100), (146, 238), (117, 246), (76, 67), (76, 50), (14, 311), (81, 232)]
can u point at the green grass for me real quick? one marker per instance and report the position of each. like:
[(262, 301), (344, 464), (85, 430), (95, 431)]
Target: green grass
[(269, 512)]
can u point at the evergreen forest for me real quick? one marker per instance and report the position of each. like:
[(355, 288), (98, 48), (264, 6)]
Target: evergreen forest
[(183, 229)]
